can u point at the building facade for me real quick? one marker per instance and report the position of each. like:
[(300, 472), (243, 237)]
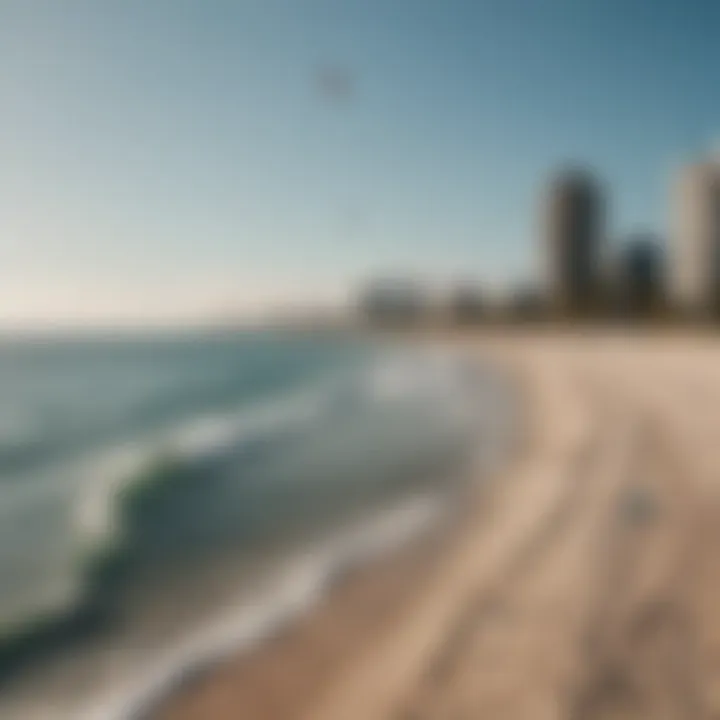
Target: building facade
[(573, 227), (638, 278), (695, 244)]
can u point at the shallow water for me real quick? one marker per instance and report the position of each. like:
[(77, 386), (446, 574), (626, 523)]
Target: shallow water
[(159, 497)]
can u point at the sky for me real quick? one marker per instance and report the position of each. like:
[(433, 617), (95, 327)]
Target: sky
[(181, 160)]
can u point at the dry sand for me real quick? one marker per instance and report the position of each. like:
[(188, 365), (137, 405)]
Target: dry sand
[(584, 581)]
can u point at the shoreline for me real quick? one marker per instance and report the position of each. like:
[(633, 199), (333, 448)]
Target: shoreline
[(411, 556), (300, 593), (393, 573), (406, 540), (198, 651), (590, 553), (329, 625), (152, 621)]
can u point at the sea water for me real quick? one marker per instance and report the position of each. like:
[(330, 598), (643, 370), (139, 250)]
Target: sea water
[(167, 499)]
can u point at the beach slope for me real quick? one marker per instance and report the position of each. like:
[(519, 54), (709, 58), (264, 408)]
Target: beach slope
[(581, 583)]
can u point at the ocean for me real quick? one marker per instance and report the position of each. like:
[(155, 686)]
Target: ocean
[(167, 499)]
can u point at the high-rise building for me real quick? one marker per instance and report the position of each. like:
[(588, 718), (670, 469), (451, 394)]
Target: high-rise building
[(695, 243), (573, 224)]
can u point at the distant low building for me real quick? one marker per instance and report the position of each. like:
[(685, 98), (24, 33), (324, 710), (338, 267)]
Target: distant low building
[(526, 303), (394, 302), (466, 305), (638, 278)]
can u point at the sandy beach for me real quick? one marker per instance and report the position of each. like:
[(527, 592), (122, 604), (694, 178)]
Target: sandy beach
[(581, 582)]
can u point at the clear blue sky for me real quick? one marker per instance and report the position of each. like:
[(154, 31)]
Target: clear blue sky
[(178, 158)]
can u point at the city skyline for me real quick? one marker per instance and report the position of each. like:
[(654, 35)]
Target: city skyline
[(172, 161)]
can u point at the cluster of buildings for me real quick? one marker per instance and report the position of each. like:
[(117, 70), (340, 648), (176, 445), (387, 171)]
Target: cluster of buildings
[(641, 277), (584, 276)]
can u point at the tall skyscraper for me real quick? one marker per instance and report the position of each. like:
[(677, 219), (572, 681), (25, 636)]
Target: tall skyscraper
[(574, 215), (695, 242)]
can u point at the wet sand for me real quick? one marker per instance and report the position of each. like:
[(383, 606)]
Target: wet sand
[(582, 582)]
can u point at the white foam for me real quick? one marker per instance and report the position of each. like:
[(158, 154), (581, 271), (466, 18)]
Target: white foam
[(413, 375), (303, 580), (297, 588), (98, 515)]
